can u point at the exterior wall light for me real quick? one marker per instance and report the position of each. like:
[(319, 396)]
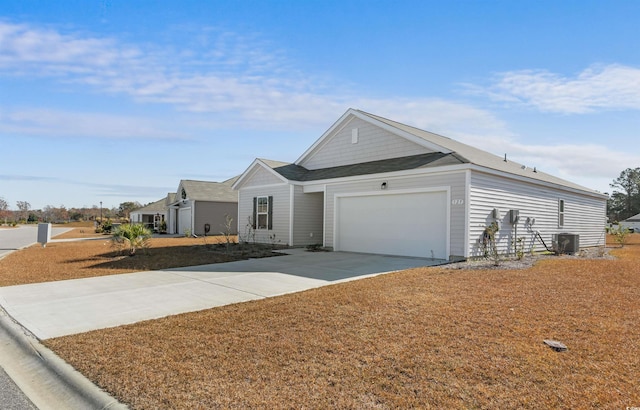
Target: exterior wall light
[(383, 185)]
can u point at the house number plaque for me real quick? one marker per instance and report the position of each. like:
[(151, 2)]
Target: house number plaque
[(457, 201)]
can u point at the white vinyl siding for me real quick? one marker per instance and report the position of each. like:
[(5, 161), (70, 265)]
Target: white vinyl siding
[(260, 177), (584, 214), (307, 217), (455, 181), (281, 203), (373, 143)]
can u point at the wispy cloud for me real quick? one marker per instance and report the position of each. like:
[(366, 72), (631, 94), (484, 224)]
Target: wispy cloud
[(44, 122), (241, 79), (608, 87), (95, 188)]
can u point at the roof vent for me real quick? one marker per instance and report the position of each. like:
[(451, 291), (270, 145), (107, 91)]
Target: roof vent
[(505, 157)]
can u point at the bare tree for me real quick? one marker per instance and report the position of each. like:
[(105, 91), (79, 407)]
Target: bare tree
[(4, 210), (23, 208)]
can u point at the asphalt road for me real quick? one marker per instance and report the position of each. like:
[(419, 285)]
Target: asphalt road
[(11, 239), (11, 397)]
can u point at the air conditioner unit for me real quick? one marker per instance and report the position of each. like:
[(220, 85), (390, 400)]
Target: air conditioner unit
[(566, 243)]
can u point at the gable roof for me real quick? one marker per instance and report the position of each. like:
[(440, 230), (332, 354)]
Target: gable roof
[(152, 208), (464, 152), (267, 164), (208, 191), (635, 218), (170, 198), (446, 150)]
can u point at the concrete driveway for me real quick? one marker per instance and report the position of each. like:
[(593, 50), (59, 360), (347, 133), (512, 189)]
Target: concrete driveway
[(68, 307)]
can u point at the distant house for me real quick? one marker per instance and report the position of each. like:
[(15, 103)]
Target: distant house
[(632, 223), (201, 207), (373, 185), (153, 214)]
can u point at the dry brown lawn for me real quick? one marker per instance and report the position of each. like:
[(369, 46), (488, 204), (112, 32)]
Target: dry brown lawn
[(422, 338), (88, 258)]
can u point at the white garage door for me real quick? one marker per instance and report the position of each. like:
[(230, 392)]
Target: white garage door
[(409, 224), (184, 220)]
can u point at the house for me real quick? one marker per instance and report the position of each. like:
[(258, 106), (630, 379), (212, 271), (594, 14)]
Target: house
[(153, 214), (373, 185), (202, 207), (632, 223)]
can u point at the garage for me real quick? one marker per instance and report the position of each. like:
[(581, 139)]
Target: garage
[(406, 224), (184, 220)]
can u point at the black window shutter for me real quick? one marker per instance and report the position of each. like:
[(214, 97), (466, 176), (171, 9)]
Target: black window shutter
[(254, 217), (270, 212)]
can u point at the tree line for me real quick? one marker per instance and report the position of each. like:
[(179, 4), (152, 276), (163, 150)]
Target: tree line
[(624, 201), (22, 213)]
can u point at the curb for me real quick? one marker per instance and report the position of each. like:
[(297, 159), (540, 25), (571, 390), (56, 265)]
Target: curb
[(47, 380)]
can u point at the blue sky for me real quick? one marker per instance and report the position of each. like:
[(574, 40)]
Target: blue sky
[(118, 101)]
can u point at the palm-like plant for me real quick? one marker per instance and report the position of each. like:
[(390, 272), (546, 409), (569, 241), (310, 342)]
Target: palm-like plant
[(132, 237)]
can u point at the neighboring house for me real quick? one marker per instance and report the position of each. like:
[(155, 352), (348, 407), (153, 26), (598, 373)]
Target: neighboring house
[(374, 185), (153, 214), (202, 207), (632, 223)]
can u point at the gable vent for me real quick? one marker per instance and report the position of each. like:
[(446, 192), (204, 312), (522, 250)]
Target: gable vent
[(354, 135)]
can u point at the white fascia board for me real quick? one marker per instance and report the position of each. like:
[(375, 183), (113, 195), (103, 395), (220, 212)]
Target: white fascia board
[(256, 162), (537, 182)]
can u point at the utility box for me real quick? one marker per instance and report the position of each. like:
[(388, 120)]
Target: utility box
[(44, 234), (514, 215), (566, 243)]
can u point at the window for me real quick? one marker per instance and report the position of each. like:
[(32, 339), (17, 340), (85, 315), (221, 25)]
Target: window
[(560, 213), (263, 212)]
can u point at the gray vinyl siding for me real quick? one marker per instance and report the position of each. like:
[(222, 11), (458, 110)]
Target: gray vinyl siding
[(374, 143), (584, 214), (281, 203), (260, 177), (455, 181), (308, 217), (214, 214)]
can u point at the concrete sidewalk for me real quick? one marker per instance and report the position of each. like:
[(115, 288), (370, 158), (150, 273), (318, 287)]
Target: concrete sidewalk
[(62, 308)]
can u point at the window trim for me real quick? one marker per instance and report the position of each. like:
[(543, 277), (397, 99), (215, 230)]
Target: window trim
[(268, 213)]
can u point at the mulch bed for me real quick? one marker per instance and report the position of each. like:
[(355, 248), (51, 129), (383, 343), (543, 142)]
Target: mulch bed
[(421, 338)]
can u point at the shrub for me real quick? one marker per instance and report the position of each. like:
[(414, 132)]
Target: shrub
[(620, 234), (131, 237), (489, 245)]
